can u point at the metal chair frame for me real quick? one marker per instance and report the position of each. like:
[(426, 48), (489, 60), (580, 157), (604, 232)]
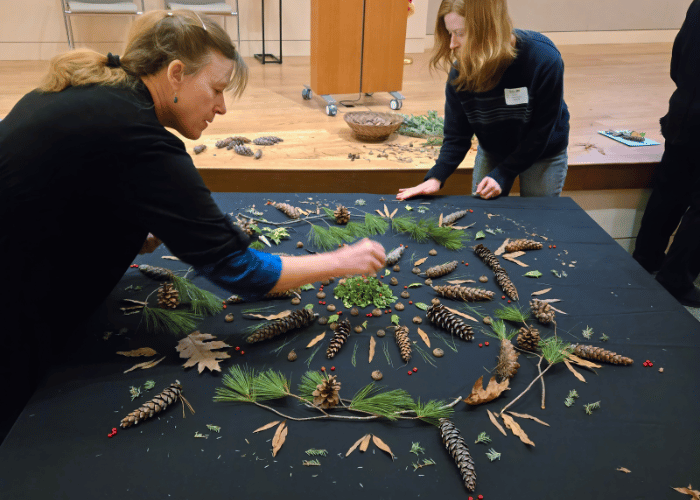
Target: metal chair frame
[(67, 14), (235, 14)]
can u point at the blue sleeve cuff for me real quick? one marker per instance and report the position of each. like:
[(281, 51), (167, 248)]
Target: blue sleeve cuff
[(250, 274)]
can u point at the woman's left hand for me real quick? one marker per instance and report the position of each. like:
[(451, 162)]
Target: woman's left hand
[(488, 188)]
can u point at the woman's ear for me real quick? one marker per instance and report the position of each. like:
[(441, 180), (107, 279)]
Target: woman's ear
[(176, 73)]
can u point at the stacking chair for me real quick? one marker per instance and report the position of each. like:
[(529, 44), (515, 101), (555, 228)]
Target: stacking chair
[(210, 8), (96, 8)]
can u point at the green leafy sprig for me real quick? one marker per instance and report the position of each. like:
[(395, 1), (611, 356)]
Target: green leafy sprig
[(361, 292)]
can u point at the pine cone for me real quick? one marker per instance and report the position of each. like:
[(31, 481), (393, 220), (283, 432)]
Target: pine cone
[(286, 209), (223, 143), (506, 284), (508, 364), (298, 319), (459, 450), (528, 339), (542, 311), (282, 295), (438, 314), (155, 405), (487, 257), (243, 150), (156, 273), (339, 337), (342, 216), (599, 354), (442, 270), (200, 149), (394, 256), (523, 244), (453, 217), (246, 226), (401, 336), (168, 296), (326, 393), (464, 293), (268, 140)]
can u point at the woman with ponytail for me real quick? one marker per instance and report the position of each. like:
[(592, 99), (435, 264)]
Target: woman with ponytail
[(506, 86)]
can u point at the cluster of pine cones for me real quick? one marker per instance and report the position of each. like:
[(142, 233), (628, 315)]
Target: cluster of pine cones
[(501, 275)]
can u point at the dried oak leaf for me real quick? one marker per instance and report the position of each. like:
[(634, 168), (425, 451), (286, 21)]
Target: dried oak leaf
[(516, 429), (382, 445), (280, 436), (266, 426), (198, 352), (480, 395), (143, 351), (145, 365), (695, 494)]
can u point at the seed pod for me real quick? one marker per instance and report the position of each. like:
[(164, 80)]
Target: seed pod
[(394, 256), (399, 306), (459, 450), (339, 338), (442, 270), (200, 148), (453, 217), (155, 405), (600, 354), (377, 375), (523, 244), (298, 319), (396, 268), (464, 293), (432, 252), (401, 336), (229, 318), (243, 150), (156, 273), (292, 356), (439, 315), (438, 353)]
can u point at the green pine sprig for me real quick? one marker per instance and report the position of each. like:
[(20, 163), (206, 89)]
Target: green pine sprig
[(375, 225), (432, 411), (176, 322), (201, 302), (238, 386), (308, 384), (385, 404), (512, 313)]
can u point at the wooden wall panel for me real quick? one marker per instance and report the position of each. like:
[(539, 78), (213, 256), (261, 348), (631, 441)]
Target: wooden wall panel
[(385, 35)]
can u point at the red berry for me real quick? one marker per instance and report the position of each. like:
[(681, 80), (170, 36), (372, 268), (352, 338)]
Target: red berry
[(651, 364), (415, 369), (324, 302), (554, 246), (486, 343), (503, 296), (339, 313), (481, 345), (323, 368), (471, 211), (224, 306), (242, 352), (405, 287), (110, 435), (550, 246), (382, 276), (471, 498), (238, 348), (466, 263), (480, 497), (410, 372), (332, 368), (509, 301), (410, 302), (114, 429)]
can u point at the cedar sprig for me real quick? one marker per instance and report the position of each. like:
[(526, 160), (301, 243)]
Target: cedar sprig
[(493, 455), (313, 452), (512, 313), (375, 225), (482, 438), (426, 462), (432, 411), (416, 448), (238, 386), (172, 321), (569, 401), (385, 404), (591, 406)]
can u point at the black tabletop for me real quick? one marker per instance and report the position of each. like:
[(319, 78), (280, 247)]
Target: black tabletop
[(647, 421)]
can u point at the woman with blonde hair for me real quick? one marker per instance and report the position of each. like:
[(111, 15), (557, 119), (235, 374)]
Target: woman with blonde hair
[(88, 173), (506, 86)]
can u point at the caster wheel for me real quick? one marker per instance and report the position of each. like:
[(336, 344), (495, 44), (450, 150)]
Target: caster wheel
[(369, 94), (331, 110), (306, 94), (395, 104)]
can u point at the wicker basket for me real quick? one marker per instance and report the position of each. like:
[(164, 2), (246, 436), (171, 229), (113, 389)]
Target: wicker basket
[(369, 126)]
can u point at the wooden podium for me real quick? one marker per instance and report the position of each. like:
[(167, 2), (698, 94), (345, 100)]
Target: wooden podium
[(357, 46)]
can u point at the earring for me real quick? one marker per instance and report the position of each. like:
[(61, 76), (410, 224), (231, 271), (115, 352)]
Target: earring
[(175, 100)]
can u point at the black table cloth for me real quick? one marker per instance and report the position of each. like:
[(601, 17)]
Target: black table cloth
[(647, 421)]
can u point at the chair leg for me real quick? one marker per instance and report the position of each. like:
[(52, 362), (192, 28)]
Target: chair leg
[(69, 30), (238, 25)]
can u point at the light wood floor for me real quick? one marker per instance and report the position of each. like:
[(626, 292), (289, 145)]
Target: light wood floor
[(606, 86)]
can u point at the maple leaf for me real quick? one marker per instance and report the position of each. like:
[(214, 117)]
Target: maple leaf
[(202, 353), (480, 395)]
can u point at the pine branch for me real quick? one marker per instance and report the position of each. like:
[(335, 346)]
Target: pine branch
[(202, 303), (375, 225), (270, 385), (432, 411), (322, 238), (171, 321), (309, 381), (238, 386), (385, 404), (512, 313), (357, 230)]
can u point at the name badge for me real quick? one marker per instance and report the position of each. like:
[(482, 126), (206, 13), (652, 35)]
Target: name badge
[(517, 96)]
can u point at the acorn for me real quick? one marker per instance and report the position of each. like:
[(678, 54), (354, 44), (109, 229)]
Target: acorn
[(358, 329), (376, 312), (322, 320), (396, 268), (432, 252), (428, 282), (330, 307), (377, 375), (296, 301), (405, 294), (399, 306), (483, 279), (487, 320), (300, 244), (438, 353), (435, 301), (417, 320), (394, 281), (415, 270), (354, 311), (321, 295), (292, 356), (228, 318), (381, 333)]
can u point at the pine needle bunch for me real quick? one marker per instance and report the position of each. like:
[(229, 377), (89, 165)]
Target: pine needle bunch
[(418, 231), (201, 302), (451, 239), (385, 404), (238, 386), (177, 322), (432, 411), (270, 385), (309, 381), (500, 330), (323, 238), (512, 313), (555, 350), (357, 230), (375, 225), (341, 233)]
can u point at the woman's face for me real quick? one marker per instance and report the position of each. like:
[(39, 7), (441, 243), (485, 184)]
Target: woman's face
[(454, 23), (201, 96)]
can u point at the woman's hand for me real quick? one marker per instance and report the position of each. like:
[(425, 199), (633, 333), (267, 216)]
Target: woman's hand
[(151, 243), (430, 186), (364, 257), (488, 188)]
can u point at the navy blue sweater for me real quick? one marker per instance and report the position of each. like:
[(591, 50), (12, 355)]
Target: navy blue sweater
[(516, 134)]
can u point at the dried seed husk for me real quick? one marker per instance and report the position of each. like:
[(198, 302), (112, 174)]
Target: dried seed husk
[(396, 268), (381, 333), (399, 306), (438, 353), (292, 356), (228, 318), (377, 375)]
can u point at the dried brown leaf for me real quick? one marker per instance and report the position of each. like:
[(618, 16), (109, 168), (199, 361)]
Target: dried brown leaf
[(386, 212), (283, 314), (393, 213), (541, 292), (316, 340), (554, 308), (695, 494), (624, 469), (440, 221), (525, 415), (493, 389), (514, 255), (459, 282), (380, 213), (516, 429), (583, 362), (458, 313), (201, 353), (266, 426), (514, 260), (502, 248), (145, 365), (573, 370), (357, 443), (424, 336), (463, 227), (280, 437), (143, 351), (495, 422), (420, 261), (382, 446), (169, 257), (365, 442), (372, 346)]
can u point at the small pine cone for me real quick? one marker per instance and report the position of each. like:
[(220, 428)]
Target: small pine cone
[(268, 140), (286, 209), (245, 225), (542, 311), (298, 319), (394, 256), (401, 336), (339, 338), (235, 141), (487, 257), (199, 149), (326, 393), (599, 354), (342, 216), (506, 284), (234, 299), (528, 339), (467, 294), (168, 296), (258, 154), (442, 270), (522, 244), (453, 217), (438, 314), (155, 405), (156, 273), (243, 150), (224, 143), (508, 364), (240, 139), (459, 450), (283, 295)]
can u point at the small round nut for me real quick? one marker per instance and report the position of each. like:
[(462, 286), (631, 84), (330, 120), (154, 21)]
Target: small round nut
[(428, 281), (381, 333), (417, 320), (435, 301), (433, 252), (399, 306), (405, 294), (330, 307), (323, 320), (483, 279), (487, 320), (415, 270), (438, 353), (377, 375), (333, 326), (354, 311), (326, 282), (376, 312), (394, 281), (661, 370), (296, 301), (358, 329), (321, 295), (300, 244), (228, 318), (396, 268), (292, 356)]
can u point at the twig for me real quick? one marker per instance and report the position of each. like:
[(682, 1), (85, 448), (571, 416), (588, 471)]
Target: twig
[(539, 370), (527, 388)]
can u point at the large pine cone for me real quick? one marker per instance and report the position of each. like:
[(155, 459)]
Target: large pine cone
[(268, 140), (459, 450), (168, 296), (286, 209), (542, 311), (299, 318), (442, 270), (155, 405), (528, 339), (401, 336), (342, 216), (599, 354), (394, 256), (506, 284), (508, 364), (438, 314), (339, 338), (326, 393), (464, 293), (453, 217), (487, 257), (156, 273), (522, 244), (243, 150)]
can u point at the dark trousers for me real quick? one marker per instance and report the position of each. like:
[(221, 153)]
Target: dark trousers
[(675, 199)]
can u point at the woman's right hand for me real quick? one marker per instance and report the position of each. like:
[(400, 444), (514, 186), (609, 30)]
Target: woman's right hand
[(364, 257), (430, 186)]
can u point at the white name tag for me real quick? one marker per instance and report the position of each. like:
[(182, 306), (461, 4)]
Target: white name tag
[(517, 96)]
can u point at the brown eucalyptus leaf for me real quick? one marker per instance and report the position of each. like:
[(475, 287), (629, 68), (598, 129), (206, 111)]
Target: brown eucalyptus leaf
[(424, 336), (440, 221), (554, 308), (514, 260), (583, 362), (516, 429), (624, 469), (393, 213), (266, 426), (463, 227), (197, 351), (169, 257), (525, 415), (283, 314), (573, 370), (386, 211), (549, 301), (145, 365), (365, 443), (459, 282), (495, 422), (502, 248), (142, 351), (382, 445), (420, 261), (513, 255), (280, 437), (458, 313), (316, 340), (493, 389), (357, 443), (695, 494), (380, 212), (541, 292), (372, 345)]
